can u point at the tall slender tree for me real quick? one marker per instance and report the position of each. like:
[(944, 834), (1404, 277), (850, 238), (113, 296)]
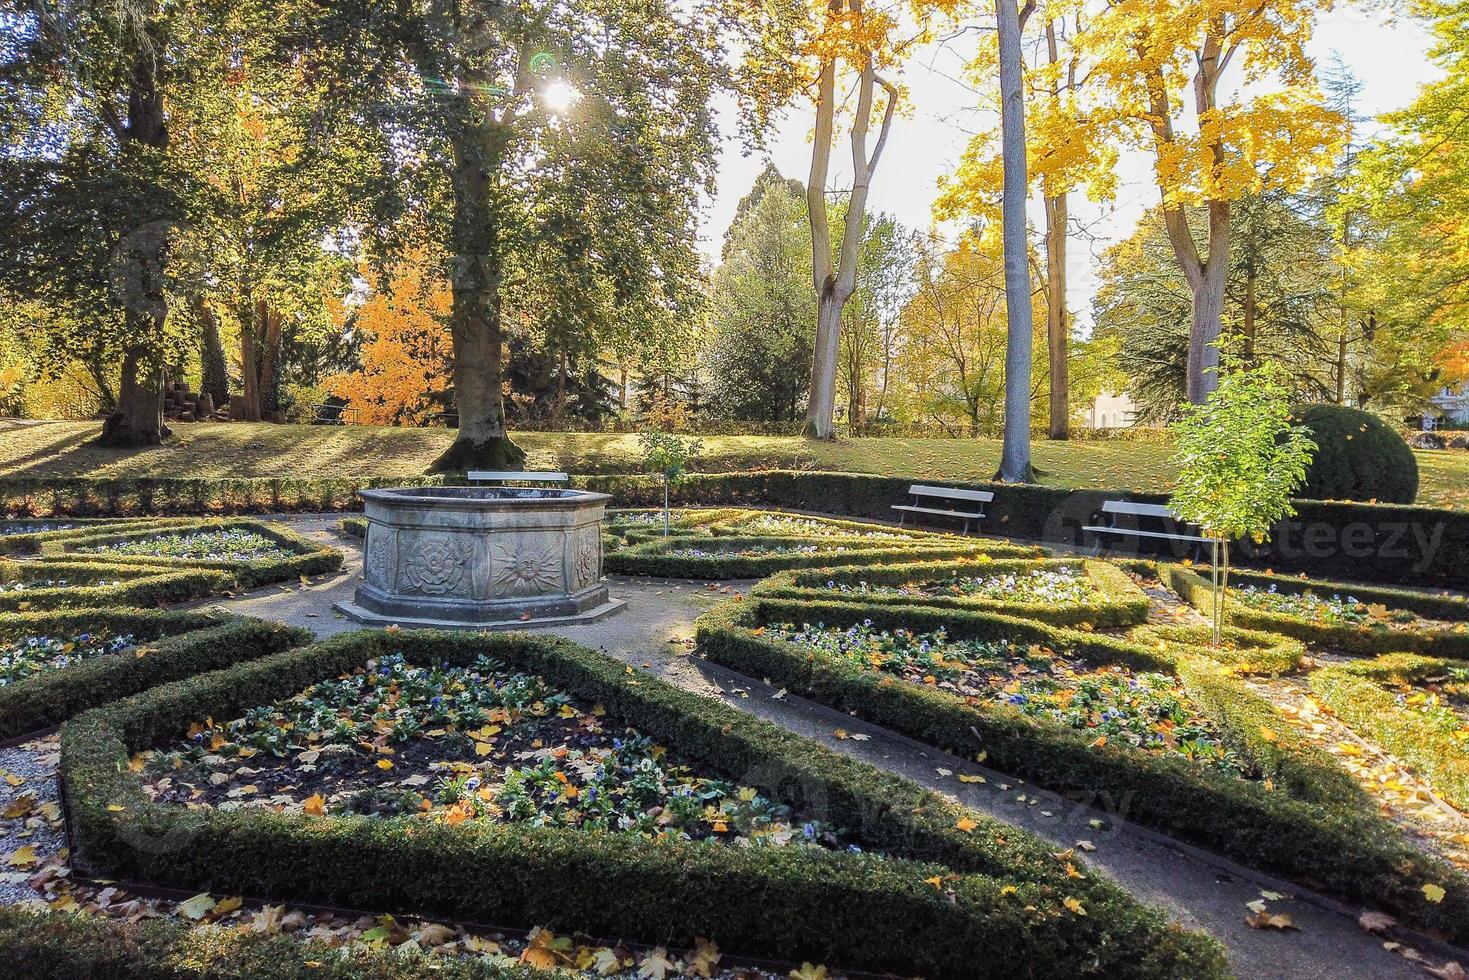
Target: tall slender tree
[(1015, 466)]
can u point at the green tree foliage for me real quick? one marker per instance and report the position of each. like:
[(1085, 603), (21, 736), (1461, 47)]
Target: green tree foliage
[(763, 314), (555, 154), (1279, 300), (90, 192), (1239, 459)]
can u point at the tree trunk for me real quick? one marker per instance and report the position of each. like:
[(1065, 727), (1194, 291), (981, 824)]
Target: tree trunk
[(1249, 324), (1015, 466), (139, 272), (137, 419), (835, 286), (1341, 367), (250, 361), (268, 321), (1058, 325), (1207, 317), (474, 317), (215, 380)]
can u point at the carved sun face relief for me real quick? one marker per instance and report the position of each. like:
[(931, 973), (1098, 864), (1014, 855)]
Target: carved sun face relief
[(526, 571)]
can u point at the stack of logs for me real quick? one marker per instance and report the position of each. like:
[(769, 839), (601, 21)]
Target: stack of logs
[(182, 405)]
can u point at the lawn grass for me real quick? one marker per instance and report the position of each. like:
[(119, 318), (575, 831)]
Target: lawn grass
[(245, 450)]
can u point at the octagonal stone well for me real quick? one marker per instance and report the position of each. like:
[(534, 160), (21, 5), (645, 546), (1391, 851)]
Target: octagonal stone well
[(482, 557)]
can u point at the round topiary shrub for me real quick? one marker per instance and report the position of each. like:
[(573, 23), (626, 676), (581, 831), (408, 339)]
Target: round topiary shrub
[(1358, 457)]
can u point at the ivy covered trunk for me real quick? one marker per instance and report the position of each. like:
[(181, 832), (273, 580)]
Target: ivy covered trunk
[(139, 267), (475, 323)]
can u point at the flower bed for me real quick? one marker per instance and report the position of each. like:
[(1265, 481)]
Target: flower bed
[(777, 524), (1333, 616), (36, 585), (1111, 704), (938, 890), (1069, 592), (1415, 707), (255, 553), (450, 743), (114, 653), (28, 537), (1305, 818)]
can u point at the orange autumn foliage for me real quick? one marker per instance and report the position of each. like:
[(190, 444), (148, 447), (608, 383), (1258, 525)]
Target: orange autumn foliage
[(406, 348)]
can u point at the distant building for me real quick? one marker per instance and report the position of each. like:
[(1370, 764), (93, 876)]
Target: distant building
[(1109, 411), (1453, 404)]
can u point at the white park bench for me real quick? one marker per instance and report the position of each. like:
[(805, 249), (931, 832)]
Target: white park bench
[(1166, 525), (516, 476), (945, 502)]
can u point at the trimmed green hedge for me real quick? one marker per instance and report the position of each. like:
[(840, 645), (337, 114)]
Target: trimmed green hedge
[(43, 945), (1001, 908), (1244, 652), (307, 557), (178, 645), (1118, 601), (1376, 542), (1319, 836), (136, 585), (1359, 640), (654, 558), (144, 496), (353, 527), (1354, 691)]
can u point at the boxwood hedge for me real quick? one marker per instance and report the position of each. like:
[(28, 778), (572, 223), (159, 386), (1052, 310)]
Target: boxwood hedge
[(307, 557), (43, 945), (95, 583), (1360, 640), (1117, 602), (943, 902), (1308, 820), (656, 557), (26, 537), (173, 645)]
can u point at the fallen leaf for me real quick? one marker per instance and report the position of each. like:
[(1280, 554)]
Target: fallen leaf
[(1434, 893), (1270, 920), (315, 805), (1073, 905), (966, 825), (197, 907), (1376, 921)]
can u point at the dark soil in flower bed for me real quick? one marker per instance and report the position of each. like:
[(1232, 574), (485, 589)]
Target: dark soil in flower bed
[(455, 744)]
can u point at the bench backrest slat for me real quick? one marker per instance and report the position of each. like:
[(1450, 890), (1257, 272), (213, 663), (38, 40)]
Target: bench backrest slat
[(523, 476), (1139, 510), (922, 490)]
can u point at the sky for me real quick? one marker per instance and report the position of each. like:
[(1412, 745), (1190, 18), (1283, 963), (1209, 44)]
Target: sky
[(1389, 58)]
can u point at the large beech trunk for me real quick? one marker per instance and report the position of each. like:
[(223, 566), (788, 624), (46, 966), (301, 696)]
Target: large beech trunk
[(475, 318)]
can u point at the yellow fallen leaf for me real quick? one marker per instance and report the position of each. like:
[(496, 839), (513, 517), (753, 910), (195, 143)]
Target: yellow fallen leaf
[(315, 805), (963, 778), (384, 763), (1074, 906), (22, 858), (1434, 893), (966, 825)]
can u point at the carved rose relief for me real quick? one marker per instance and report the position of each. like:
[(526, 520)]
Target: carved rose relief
[(437, 565), (526, 571), (587, 556)]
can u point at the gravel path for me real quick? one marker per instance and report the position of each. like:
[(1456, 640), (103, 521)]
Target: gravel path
[(1201, 891)]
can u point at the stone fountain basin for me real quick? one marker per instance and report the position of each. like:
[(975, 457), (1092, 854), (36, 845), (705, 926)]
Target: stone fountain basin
[(482, 557)]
